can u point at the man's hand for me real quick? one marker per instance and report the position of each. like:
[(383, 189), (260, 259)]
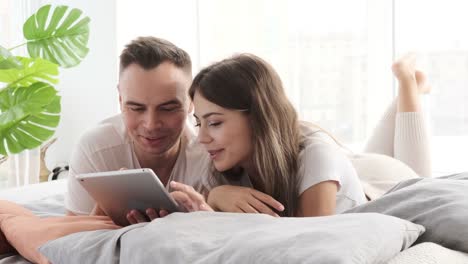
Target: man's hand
[(183, 194), (228, 198), (135, 216), (97, 211)]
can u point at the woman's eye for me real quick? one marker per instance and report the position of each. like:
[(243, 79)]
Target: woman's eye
[(215, 123), (137, 109), (197, 124)]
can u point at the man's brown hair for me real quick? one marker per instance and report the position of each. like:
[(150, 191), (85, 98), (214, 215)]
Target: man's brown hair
[(150, 52)]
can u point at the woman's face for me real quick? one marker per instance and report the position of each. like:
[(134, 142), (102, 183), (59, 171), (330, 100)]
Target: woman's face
[(225, 133)]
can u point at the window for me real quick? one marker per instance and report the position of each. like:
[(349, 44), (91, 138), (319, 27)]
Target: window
[(334, 62), (438, 33), (333, 56)]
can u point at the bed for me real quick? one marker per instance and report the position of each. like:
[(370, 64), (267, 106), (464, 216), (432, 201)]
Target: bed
[(199, 236)]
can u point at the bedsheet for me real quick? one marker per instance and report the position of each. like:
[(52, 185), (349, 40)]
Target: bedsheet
[(430, 253)]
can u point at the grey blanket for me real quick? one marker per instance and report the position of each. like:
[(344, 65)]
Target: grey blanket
[(438, 204), (204, 237)]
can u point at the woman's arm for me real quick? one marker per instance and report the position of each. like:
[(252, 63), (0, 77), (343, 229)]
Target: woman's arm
[(238, 199), (318, 200)]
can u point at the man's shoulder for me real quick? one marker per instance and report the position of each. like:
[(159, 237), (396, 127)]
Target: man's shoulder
[(107, 134), (193, 165)]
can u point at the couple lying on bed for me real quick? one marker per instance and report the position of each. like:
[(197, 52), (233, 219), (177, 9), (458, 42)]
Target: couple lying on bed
[(262, 158)]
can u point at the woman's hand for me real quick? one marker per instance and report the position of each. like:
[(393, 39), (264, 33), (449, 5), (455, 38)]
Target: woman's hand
[(228, 198), (187, 197)]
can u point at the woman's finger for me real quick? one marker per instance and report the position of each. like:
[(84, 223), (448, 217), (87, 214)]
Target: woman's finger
[(183, 199), (194, 196), (261, 207), (247, 208), (267, 199)]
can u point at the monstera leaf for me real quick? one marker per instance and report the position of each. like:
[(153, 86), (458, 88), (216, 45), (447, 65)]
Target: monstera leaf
[(33, 70), (63, 40), (8, 61), (29, 116)]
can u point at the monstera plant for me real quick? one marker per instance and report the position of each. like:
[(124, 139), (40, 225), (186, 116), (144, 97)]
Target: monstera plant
[(29, 103)]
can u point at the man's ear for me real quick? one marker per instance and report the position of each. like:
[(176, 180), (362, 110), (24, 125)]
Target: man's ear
[(120, 97)]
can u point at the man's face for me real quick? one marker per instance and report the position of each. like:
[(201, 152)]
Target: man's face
[(154, 104)]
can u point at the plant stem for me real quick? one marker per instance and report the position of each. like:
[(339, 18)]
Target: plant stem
[(10, 49)]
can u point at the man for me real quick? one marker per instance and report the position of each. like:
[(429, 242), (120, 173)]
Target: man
[(152, 130)]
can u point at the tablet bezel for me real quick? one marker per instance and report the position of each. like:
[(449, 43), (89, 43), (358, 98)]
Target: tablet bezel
[(137, 189)]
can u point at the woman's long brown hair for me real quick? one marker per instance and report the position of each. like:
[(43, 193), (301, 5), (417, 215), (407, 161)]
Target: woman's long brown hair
[(248, 83)]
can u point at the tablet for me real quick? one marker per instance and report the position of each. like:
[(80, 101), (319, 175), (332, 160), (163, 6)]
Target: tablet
[(118, 192)]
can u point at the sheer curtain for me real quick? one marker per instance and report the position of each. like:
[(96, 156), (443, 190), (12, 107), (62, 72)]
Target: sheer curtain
[(23, 168), (333, 56), (437, 31)]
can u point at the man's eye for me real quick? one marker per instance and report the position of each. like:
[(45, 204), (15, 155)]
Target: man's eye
[(137, 109), (197, 124), (169, 109)]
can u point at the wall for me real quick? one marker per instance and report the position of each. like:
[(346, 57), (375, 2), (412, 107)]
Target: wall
[(89, 90)]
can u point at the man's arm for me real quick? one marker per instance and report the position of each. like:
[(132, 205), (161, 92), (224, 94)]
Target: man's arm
[(70, 213), (99, 149), (77, 199)]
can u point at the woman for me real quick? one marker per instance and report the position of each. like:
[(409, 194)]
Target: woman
[(264, 159)]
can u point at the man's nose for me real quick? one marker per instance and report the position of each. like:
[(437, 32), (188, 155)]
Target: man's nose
[(152, 121)]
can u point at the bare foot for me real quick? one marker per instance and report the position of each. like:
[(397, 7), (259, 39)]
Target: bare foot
[(408, 85), (405, 71), (404, 68), (421, 80)]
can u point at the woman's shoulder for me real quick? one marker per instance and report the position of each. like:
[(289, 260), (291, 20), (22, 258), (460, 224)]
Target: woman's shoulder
[(320, 153), (314, 138), (322, 159)]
